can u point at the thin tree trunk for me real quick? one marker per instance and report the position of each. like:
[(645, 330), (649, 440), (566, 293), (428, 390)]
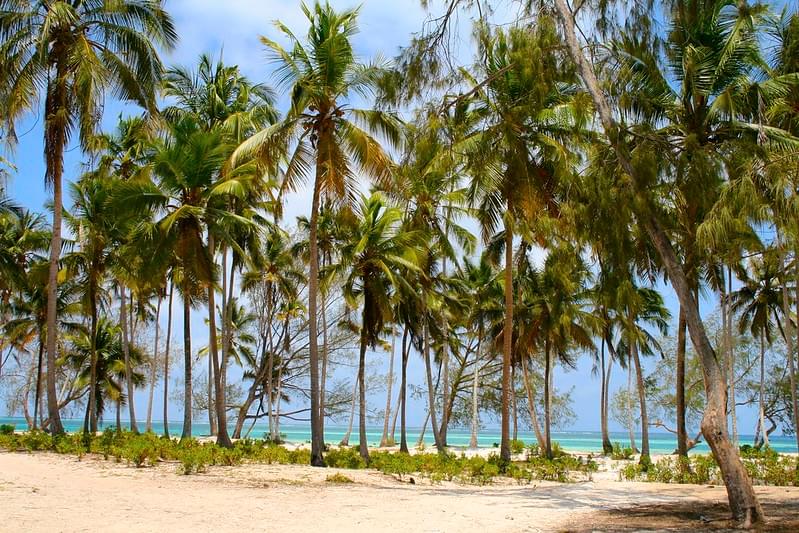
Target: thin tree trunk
[(92, 405), (395, 417), (56, 427), (762, 391), (363, 445), (431, 391), (38, 394), (323, 377), (187, 356), (317, 443), (607, 446), (631, 425), (607, 389), (507, 344), (126, 351), (220, 402), (789, 346), (345, 441), (390, 382), (639, 376), (403, 390), (420, 440), (682, 434), (547, 400), (166, 359), (153, 367), (528, 388), (475, 385), (744, 503), (210, 395), (731, 372), (119, 417)]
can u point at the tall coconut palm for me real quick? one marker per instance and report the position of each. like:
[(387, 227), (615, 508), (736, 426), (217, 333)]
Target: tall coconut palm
[(374, 259), (70, 53), (327, 136)]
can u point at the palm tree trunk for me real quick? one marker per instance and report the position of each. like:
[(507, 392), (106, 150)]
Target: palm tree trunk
[(762, 389), (220, 403), (126, 351), (682, 433), (475, 385), (607, 446), (363, 445), (395, 417), (744, 504), (345, 441), (639, 375), (119, 416), (403, 390), (166, 360), (547, 400), (731, 371), (92, 405), (531, 404), (607, 392), (389, 383), (420, 439), (631, 424), (789, 346), (323, 377), (507, 344), (56, 427), (153, 367), (210, 395), (187, 357), (431, 391), (317, 443), (514, 404), (38, 394)]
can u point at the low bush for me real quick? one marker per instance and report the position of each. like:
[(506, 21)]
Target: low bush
[(621, 454), (345, 458), (338, 478), (7, 429), (516, 446)]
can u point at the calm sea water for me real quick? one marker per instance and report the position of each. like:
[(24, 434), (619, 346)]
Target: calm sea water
[(589, 441)]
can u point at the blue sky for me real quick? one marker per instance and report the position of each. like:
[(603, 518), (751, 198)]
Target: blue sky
[(233, 26)]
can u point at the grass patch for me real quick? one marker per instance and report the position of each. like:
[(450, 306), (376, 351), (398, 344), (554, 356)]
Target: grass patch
[(339, 478)]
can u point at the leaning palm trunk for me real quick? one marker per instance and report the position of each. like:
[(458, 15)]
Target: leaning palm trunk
[(187, 356), (639, 376), (786, 311), (153, 373), (126, 351), (631, 420), (37, 396), (682, 434), (731, 370), (390, 382), (403, 390), (475, 385), (92, 406), (220, 403), (345, 441), (166, 359), (317, 442), (431, 392), (547, 400), (744, 504), (528, 389), (762, 390), (607, 446), (607, 393)]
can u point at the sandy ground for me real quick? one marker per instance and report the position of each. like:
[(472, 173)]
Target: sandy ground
[(48, 492)]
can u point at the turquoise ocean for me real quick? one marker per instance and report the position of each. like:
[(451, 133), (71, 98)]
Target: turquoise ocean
[(587, 441)]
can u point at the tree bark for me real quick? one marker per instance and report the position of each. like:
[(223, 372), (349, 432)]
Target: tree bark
[(475, 385), (166, 360), (639, 376), (363, 445), (403, 390), (345, 441), (744, 504), (431, 392), (607, 446), (153, 373), (789, 346), (631, 425), (317, 443), (731, 371), (220, 403), (540, 440), (323, 377), (187, 356), (762, 389), (389, 383), (92, 405), (507, 343), (682, 434), (38, 395), (547, 400), (126, 351)]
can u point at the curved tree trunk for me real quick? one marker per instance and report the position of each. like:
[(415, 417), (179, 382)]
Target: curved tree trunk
[(403, 391), (507, 343), (153, 368), (166, 359), (431, 392), (731, 371), (762, 390), (607, 446), (475, 385), (789, 345), (92, 404), (126, 351), (682, 434), (389, 383), (212, 429), (607, 392), (345, 441), (631, 425), (38, 394), (639, 376), (744, 504), (220, 402), (531, 405)]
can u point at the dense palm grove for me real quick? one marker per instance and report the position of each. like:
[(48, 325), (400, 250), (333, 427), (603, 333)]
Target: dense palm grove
[(524, 209)]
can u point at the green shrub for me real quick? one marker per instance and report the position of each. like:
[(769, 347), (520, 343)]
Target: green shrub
[(621, 454), (516, 446), (7, 429), (36, 440), (338, 478), (345, 458)]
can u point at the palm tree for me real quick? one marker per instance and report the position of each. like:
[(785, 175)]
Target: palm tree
[(323, 74), (374, 259), (759, 304), (73, 52)]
